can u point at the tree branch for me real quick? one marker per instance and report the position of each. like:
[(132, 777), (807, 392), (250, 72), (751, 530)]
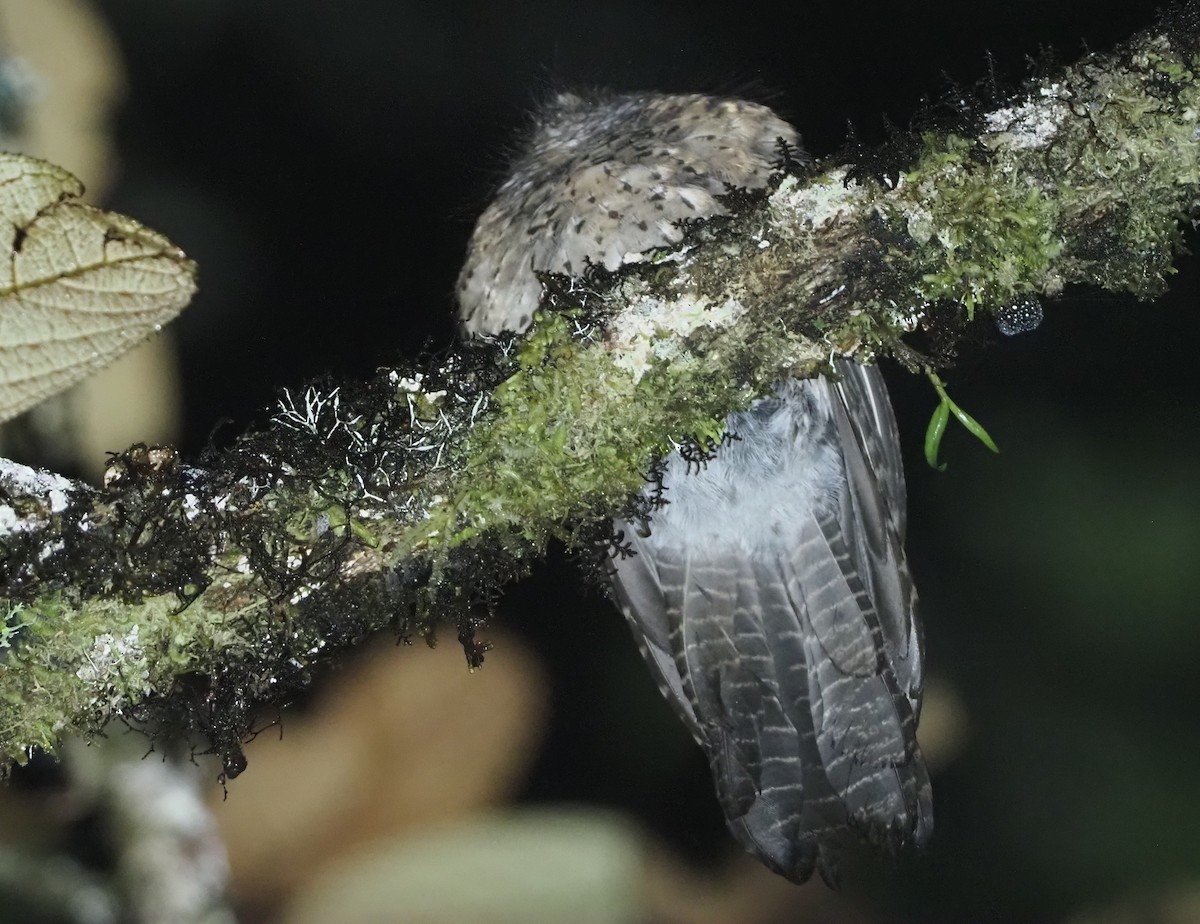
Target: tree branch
[(182, 598)]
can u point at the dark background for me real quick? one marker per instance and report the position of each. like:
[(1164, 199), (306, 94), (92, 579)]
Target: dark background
[(324, 163)]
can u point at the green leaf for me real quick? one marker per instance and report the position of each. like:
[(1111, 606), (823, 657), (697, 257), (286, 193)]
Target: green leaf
[(974, 426), (941, 416), (933, 435)]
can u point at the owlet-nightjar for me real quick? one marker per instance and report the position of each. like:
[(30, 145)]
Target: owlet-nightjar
[(770, 594)]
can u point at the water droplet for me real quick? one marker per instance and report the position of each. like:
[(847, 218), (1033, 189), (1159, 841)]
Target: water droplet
[(1020, 317)]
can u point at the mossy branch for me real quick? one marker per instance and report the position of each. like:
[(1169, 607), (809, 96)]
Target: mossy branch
[(184, 597)]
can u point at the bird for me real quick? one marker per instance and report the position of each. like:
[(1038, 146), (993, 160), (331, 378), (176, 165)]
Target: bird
[(767, 587)]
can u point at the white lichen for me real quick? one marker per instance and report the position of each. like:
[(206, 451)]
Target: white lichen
[(653, 329), (22, 481), (795, 206), (111, 657), (1031, 125)]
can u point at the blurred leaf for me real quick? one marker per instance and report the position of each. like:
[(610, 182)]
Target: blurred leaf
[(81, 286), (533, 866)]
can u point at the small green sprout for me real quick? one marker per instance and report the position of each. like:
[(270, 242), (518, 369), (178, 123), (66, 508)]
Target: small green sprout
[(941, 417)]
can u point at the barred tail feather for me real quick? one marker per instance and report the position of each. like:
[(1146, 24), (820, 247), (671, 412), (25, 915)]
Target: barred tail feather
[(772, 601)]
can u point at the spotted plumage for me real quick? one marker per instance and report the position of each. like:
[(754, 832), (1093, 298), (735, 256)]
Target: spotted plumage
[(600, 178), (770, 594)]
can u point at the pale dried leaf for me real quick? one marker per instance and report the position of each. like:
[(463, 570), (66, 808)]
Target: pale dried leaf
[(80, 287)]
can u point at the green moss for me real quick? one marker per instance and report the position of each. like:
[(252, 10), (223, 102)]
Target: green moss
[(571, 432), (75, 665), (1092, 191), (982, 237), (1131, 168)]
